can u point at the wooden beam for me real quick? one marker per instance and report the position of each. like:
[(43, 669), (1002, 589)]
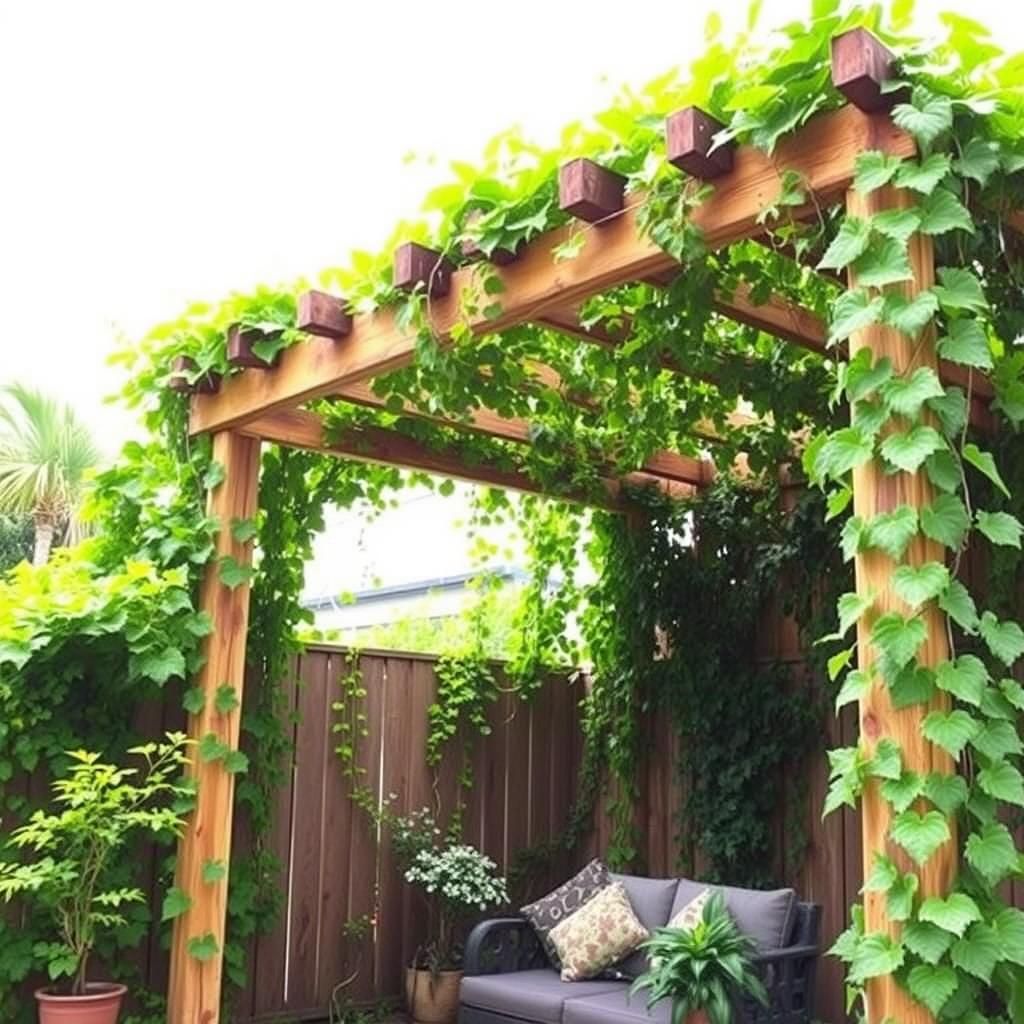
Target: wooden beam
[(300, 429), (194, 988), (822, 152), (876, 492)]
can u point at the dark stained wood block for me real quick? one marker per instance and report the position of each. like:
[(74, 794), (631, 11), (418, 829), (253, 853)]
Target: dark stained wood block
[(239, 348), (689, 137), (415, 264), (860, 64), (181, 370), (589, 191), (325, 315)]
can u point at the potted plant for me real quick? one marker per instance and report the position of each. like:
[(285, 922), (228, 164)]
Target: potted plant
[(458, 881), (703, 969), (68, 872)]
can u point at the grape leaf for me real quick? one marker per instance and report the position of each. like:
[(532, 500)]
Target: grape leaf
[(1000, 528), (924, 175), (965, 343), (917, 584), (945, 520), (942, 211), (907, 451), (850, 241)]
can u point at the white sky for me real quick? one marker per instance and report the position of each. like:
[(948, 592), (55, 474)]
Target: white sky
[(154, 153)]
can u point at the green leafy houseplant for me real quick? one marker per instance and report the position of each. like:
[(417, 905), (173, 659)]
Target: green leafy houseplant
[(73, 849), (703, 969)]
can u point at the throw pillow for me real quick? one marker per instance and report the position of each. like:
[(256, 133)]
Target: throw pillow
[(549, 911), (599, 934), (689, 916)]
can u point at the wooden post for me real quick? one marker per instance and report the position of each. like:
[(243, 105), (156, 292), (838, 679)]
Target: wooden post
[(194, 989), (875, 492)]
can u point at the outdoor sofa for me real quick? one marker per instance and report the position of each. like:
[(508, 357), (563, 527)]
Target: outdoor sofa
[(509, 980)]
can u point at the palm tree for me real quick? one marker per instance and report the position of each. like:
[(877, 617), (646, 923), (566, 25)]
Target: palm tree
[(45, 451)]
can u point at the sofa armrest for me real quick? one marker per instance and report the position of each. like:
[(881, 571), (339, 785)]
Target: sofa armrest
[(773, 956), (501, 945), (788, 976)]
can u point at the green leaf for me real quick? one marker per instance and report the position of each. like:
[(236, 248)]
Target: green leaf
[(906, 395), (952, 731), (915, 585), (842, 451), (951, 409), (851, 240), (926, 116), (869, 416), (838, 662), (927, 941), (886, 762), (175, 903), (907, 451), (932, 985), (226, 699), (863, 376), (232, 573), (902, 792), (1001, 528), (211, 748), (203, 947), (977, 952), (914, 684), (952, 914), (1008, 926), (958, 604), (898, 224), (965, 343), (947, 792), (161, 665), (244, 530), (965, 678), (985, 464), (193, 700), (943, 471), (854, 535), (920, 834), (214, 871), (1004, 639), (853, 311), (235, 762), (960, 291), (1002, 781), (922, 176), (1013, 692), (891, 532), (945, 520), (979, 160), (855, 686), (898, 638), (875, 955), (942, 211), (214, 476), (850, 607), (874, 169), (883, 264), (991, 852), (837, 503), (909, 315)]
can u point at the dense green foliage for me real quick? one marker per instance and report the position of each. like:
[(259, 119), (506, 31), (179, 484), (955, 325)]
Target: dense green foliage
[(15, 540), (86, 640)]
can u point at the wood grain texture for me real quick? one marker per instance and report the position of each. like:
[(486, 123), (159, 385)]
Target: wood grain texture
[(822, 152), (194, 992), (876, 492)]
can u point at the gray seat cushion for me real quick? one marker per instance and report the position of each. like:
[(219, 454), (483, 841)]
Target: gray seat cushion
[(530, 995), (766, 916), (652, 903), (616, 1008)]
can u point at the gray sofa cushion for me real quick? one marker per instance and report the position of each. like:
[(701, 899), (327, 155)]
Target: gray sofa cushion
[(549, 911), (530, 995), (652, 903), (766, 916), (615, 1008)]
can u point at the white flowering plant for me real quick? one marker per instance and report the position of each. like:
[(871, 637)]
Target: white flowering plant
[(458, 881)]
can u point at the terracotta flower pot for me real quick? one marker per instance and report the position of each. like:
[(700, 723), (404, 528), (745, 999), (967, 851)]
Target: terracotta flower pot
[(697, 1017), (432, 998), (100, 1005)]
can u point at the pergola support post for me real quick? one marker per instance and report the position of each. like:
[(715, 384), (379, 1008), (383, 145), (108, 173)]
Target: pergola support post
[(876, 492), (194, 989)]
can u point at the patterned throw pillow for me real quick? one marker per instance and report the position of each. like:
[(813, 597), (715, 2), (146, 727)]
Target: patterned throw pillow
[(549, 911), (599, 934), (690, 915)]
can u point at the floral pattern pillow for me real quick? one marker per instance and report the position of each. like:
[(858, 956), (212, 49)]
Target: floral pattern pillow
[(692, 914), (551, 910), (599, 934)]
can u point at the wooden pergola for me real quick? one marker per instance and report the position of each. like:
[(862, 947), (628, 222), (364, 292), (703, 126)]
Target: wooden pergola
[(345, 353)]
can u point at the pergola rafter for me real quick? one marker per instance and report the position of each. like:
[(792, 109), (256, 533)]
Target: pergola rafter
[(269, 404)]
